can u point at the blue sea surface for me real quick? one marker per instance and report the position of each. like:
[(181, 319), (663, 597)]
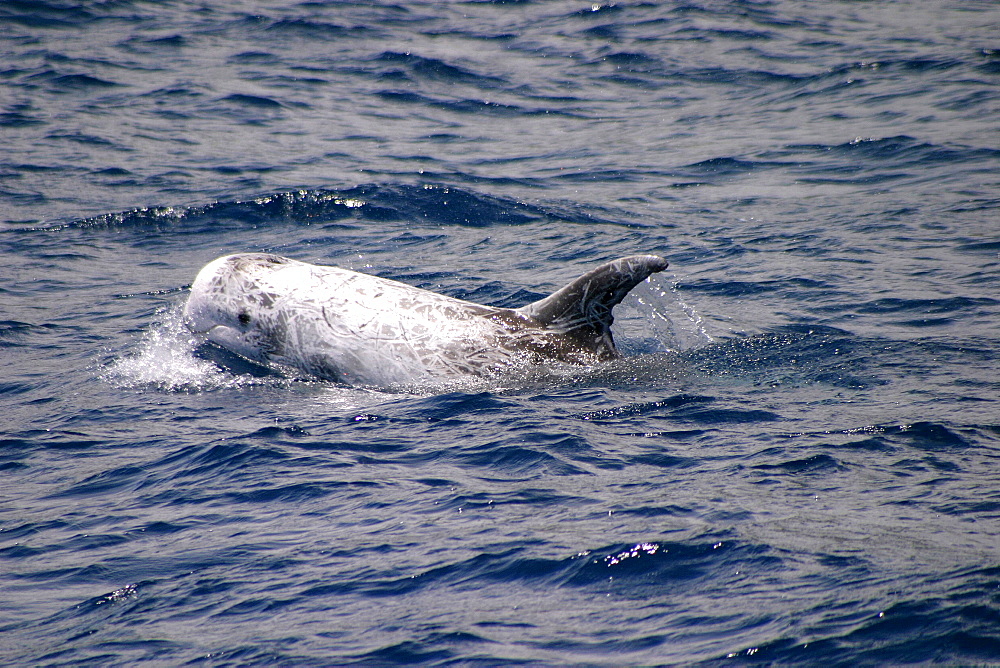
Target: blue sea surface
[(797, 460)]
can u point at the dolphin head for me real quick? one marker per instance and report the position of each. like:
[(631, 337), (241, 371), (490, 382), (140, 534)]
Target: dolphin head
[(229, 306)]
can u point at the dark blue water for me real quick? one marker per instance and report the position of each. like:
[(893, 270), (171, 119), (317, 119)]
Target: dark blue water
[(798, 461)]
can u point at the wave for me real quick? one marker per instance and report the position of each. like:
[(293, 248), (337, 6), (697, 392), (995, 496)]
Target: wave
[(429, 204)]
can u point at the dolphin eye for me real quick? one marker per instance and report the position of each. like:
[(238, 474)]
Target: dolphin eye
[(244, 318)]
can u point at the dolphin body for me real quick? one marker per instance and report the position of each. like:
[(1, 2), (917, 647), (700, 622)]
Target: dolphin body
[(354, 328)]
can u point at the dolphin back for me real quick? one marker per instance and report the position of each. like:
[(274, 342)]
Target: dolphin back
[(583, 309)]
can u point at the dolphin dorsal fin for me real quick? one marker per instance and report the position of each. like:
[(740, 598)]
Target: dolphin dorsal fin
[(582, 309)]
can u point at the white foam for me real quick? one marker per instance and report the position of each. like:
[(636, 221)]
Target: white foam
[(164, 359)]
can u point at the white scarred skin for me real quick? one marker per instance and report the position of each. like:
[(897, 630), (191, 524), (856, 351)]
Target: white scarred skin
[(342, 325)]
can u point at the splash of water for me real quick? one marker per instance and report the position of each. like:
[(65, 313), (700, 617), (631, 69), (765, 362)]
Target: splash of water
[(656, 318), (165, 359)]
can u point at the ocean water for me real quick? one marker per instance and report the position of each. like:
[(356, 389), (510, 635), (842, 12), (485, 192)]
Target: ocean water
[(796, 462)]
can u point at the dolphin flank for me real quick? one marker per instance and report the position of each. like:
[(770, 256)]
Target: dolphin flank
[(345, 326)]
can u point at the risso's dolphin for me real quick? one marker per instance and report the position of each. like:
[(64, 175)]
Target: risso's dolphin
[(341, 325)]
